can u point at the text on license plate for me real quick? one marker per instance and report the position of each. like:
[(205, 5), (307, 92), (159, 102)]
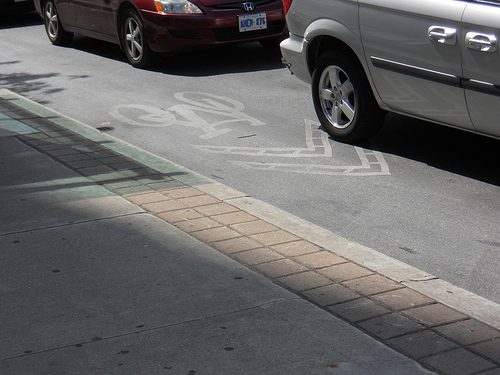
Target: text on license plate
[(252, 22)]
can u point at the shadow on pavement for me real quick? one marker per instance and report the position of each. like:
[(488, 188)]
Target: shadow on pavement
[(452, 150), (217, 60), (20, 19)]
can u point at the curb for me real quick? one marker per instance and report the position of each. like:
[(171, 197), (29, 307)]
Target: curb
[(443, 327)]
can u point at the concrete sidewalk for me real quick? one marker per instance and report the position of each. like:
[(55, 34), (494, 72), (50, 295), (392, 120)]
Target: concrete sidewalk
[(116, 261)]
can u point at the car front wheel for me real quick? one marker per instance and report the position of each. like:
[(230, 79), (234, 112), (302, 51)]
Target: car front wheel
[(343, 99), (53, 26), (134, 41)]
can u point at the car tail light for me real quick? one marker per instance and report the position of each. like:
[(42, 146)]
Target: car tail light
[(286, 5)]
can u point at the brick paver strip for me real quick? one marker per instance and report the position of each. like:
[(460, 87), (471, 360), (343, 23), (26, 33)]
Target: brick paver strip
[(469, 331), (433, 315), (197, 224), (458, 362), (77, 157), (184, 192), (280, 268), (95, 171), (63, 150), (372, 284), (257, 256), (180, 215), (490, 349), (296, 248), (117, 185), (320, 259), (199, 200), (52, 146), (146, 197), (254, 227), (83, 163), (330, 294), (216, 234), (165, 184), (422, 344), (401, 299), (216, 209), (495, 371), (274, 238), (134, 189), (344, 271), (120, 166), (113, 160), (234, 218), (113, 176), (304, 281), (358, 310), (163, 206), (390, 326), (236, 244)]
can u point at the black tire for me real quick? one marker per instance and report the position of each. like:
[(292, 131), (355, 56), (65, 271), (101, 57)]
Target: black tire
[(56, 33), (343, 99), (135, 43)]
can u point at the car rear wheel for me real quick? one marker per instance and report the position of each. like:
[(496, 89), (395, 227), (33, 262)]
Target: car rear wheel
[(53, 26), (343, 99), (134, 41)]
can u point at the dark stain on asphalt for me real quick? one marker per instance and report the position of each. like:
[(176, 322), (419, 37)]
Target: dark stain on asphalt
[(407, 249), (105, 128), (490, 243), (333, 365)]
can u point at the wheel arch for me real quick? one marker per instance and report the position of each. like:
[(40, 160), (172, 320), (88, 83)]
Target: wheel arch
[(124, 6), (329, 35)]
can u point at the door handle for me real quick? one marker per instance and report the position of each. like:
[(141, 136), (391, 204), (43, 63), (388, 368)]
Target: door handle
[(443, 35), (481, 42)]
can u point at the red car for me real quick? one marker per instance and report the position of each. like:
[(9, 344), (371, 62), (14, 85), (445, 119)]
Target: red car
[(144, 28)]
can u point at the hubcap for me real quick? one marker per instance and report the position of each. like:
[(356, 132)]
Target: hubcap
[(51, 20), (336, 95), (133, 39)]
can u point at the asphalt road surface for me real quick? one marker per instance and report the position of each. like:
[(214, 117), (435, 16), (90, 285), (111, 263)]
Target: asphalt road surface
[(424, 194)]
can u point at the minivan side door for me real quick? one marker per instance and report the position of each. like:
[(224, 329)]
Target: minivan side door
[(413, 54), (481, 64)]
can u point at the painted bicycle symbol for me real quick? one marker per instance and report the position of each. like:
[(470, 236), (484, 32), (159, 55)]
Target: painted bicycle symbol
[(193, 113)]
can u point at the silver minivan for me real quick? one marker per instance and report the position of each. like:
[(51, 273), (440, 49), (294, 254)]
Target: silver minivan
[(437, 60)]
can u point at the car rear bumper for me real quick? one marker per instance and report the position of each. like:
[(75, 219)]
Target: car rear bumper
[(294, 50), (167, 33)]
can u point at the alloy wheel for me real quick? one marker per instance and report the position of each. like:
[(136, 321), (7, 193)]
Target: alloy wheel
[(337, 98), (133, 39), (51, 20)]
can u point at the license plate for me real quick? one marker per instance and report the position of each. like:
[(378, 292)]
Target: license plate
[(252, 22)]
